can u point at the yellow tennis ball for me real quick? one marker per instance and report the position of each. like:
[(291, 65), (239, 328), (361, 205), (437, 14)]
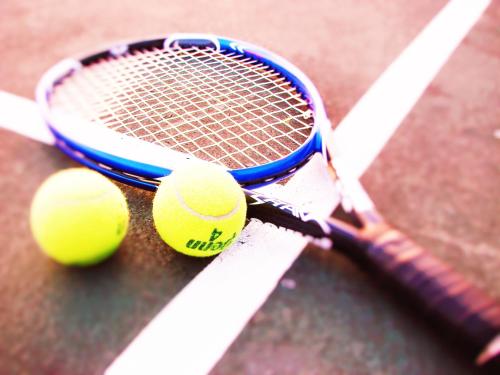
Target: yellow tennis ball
[(199, 210), (79, 217)]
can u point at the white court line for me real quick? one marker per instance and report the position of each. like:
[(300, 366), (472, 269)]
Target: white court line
[(22, 116), (195, 329), (365, 130)]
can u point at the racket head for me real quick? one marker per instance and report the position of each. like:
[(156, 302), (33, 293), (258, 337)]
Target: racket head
[(165, 75)]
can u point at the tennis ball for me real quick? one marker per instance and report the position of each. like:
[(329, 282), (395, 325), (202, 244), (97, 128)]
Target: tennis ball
[(199, 209), (79, 217)]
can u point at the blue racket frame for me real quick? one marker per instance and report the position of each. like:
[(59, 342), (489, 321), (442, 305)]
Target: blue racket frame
[(111, 162)]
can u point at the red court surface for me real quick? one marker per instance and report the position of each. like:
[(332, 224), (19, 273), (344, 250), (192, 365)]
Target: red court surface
[(437, 180)]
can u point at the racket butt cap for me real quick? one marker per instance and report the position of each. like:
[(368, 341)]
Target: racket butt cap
[(491, 353)]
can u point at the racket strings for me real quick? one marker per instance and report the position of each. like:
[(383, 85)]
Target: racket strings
[(221, 107)]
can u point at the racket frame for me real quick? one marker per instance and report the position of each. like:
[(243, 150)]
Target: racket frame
[(152, 161)]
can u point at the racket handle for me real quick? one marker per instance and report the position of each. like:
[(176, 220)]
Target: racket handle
[(444, 295)]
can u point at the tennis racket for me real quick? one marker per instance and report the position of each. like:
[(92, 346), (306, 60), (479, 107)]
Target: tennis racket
[(137, 111)]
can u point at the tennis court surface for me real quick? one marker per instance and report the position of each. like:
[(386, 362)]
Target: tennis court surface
[(412, 90)]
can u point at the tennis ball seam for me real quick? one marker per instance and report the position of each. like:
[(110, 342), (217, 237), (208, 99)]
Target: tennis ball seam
[(184, 205), (77, 201)]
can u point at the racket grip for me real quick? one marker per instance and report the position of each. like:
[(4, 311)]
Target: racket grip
[(444, 295)]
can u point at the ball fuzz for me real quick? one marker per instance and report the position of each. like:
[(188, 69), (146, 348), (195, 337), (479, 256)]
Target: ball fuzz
[(199, 210), (79, 217)]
